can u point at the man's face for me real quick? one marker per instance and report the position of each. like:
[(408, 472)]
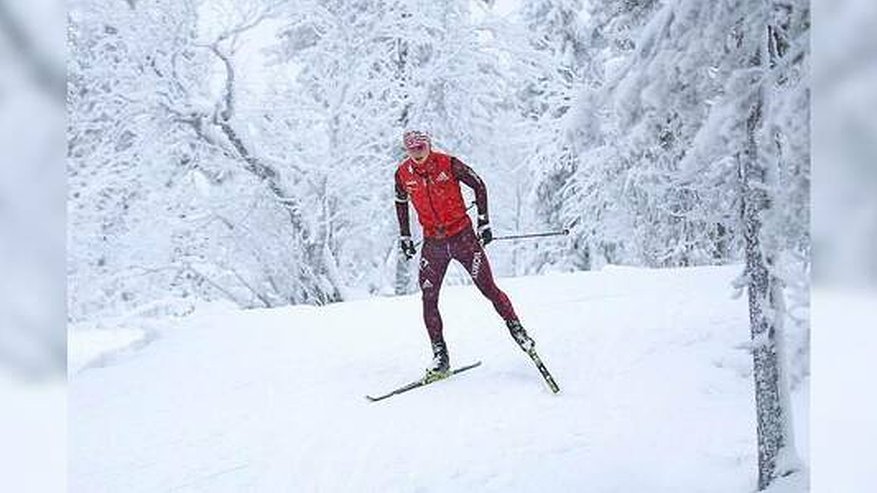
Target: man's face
[(418, 151)]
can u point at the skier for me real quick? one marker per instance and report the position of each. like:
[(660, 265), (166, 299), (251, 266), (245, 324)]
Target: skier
[(431, 180)]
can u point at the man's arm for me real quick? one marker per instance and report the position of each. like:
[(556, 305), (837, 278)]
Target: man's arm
[(402, 209), (466, 175)]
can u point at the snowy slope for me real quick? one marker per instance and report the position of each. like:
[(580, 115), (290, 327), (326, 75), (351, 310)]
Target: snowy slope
[(655, 395)]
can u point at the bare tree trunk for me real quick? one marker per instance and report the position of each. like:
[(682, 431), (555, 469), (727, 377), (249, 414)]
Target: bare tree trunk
[(762, 291)]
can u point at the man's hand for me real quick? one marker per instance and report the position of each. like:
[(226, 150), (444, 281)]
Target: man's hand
[(484, 233), (406, 245)]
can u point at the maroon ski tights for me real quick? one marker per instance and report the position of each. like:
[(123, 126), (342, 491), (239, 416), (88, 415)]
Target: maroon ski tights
[(434, 259)]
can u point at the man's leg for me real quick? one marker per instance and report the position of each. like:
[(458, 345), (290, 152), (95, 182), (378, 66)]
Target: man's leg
[(434, 259), (468, 251)]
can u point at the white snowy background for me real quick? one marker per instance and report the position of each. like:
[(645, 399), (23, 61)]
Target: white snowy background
[(191, 194), (242, 152)]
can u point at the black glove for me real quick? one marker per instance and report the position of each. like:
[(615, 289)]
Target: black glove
[(406, 245), (484, 233)]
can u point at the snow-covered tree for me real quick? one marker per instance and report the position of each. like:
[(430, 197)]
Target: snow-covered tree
[(159, 168), (124, 154), (774, 166), (561, 64), (694, 154)]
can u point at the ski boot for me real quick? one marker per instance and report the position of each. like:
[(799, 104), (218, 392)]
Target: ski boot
[(441, 366), (520, 335)]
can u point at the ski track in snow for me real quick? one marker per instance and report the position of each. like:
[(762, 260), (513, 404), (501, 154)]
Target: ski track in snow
[(655, 396)]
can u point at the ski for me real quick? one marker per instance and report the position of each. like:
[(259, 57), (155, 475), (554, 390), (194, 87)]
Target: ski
[(543, 370), (422, 382)]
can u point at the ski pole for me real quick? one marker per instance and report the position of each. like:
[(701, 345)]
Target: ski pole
[(563, 232)]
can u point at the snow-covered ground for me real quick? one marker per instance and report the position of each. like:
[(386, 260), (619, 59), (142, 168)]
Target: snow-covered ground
[(33, 453), (656, 394)]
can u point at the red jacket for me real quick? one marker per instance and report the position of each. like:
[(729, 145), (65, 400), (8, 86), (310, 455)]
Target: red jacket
[(434, 188)]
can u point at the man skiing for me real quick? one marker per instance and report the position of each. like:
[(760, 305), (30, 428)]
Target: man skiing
[(431, 182)]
